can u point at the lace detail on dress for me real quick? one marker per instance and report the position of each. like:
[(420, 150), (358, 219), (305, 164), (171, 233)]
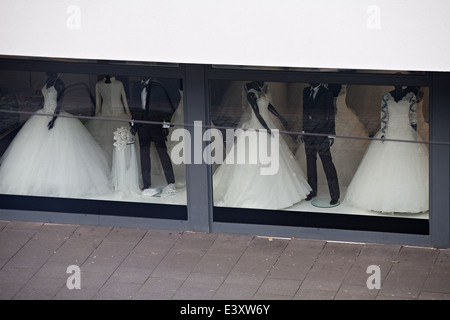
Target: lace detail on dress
[(410, 97)]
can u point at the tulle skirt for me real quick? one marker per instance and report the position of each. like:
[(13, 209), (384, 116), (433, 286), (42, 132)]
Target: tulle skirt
[(253, 185), (393, 176), (62, 162)]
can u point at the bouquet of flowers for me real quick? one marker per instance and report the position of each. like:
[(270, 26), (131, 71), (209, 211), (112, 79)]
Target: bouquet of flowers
[(122, 137)]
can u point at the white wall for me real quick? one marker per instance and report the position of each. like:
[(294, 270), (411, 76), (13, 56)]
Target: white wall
[(358, 34)]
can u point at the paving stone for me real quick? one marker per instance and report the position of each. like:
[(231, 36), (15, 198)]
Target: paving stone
[(40, 288), (235, 291), (158, 289), (131, 275), (199, 286), (117, 291), (125, 235), (314, 294), (12, 240), (280, 287), (355, 292)]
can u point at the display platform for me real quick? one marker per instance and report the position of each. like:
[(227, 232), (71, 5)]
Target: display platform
[(324, 203)]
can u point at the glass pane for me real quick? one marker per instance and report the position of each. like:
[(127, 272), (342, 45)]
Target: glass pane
[(352, 149), (90, 136)]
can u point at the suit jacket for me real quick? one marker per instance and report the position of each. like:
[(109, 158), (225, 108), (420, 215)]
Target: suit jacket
[(318, 114)]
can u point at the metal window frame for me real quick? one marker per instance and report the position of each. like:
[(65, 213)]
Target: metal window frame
[(199, 209)]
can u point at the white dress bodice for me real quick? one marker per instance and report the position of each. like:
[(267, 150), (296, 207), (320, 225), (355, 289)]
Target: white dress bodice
[(50, 99)]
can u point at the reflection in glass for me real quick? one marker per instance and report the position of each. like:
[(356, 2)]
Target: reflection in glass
[(393, 176), (84, 141), (357, 120)]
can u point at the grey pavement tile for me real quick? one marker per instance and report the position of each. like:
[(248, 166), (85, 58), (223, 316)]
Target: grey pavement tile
[(418, 258), (220, 258), (89, 232), (272, 247), (193, 241), (9, 290), (12, 240), (439, 278), (379, 253), (355, 292), (145, 257), (55, 232), (3, 224), (306, 246), (40, 288), (130, 275), (24, 225), (75, 294), (233, 239), (339, 253), (314, 294), (107, 257), (403, 283), (424, 295), (282, 287), (178, 264), (125, 235), (235, 291), (33, 254), (293, 264), (199, 286), (270, 296), (73, 251), (57, 270), (158, 289), (13, 279), (117, 291)]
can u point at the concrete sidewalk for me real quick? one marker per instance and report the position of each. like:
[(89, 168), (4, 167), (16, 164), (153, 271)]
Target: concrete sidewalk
[(123, 263)]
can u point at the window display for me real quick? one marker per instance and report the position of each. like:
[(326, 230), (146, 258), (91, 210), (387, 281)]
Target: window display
[(360, 173), (397, 171), (89, 136)]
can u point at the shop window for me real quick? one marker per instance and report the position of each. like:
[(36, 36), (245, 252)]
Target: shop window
[(90, 136), (354, 150)]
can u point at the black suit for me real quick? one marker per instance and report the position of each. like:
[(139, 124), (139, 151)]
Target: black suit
[(156, 133), (318, 117)]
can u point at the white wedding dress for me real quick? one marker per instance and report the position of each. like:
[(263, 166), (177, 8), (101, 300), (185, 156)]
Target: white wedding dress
[(393, 176), (62, 162), (244, 185)]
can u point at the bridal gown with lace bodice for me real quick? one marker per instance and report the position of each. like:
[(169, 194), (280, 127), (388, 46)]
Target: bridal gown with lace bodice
[(62, 162), (393, 176)]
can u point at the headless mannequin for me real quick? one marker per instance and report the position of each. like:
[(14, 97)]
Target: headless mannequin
[(53, 80), (318, 117), (149, 133)]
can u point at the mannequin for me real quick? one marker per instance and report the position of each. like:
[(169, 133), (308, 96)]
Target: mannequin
[(53, 154), (393, 175), (111, 102), (156, 133), (318, 117), (243, 184)]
